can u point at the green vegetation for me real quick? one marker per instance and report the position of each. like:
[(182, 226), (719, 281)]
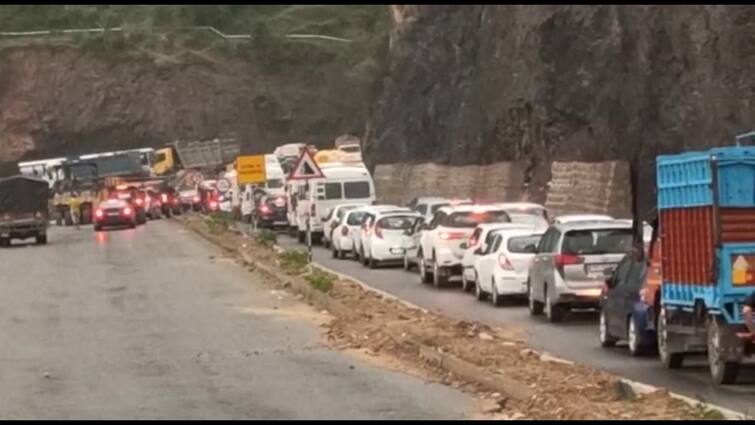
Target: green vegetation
[(219, 222), (321, 280), (266, 238), (293, 261)]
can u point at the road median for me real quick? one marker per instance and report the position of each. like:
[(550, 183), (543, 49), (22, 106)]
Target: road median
[(494, 362)]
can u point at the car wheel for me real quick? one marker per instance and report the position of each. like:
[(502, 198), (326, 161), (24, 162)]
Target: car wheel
[(553, 312), (97, 227), (535, 307), (439, 280), (635, 340), (363, 257), (335, 253), (325, 243), (373, 264), (132, 225), (465, 286), (41, 239), (478, 292), (668, 359), (495, 298), (424, 276), (606, 340)]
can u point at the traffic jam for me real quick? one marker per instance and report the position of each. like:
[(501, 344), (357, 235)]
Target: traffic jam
[(693, 298)]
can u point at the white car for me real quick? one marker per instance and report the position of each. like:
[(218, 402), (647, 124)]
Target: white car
[(342, 242), (440, 248), (357, 236), (428, 205), (412, 244), (387, 238), (527, 213), (503, 269), (333, 218), (478, 243)]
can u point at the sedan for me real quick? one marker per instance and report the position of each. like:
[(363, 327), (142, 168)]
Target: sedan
[(114, 212)]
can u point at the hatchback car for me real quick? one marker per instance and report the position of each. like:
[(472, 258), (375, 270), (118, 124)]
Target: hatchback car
[(503, 269), (629, 303), (386, 243), (332, 219), (572, 259), (342, 241), (270, 212), (477, 245), (367, 226), (114, 212)]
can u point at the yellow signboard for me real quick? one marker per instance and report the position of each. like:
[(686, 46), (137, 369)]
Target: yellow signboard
[(250, 169)]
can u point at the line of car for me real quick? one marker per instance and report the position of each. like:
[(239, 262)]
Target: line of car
[(504, 252)]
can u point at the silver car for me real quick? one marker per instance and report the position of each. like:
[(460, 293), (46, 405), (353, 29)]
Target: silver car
[(571, 263)]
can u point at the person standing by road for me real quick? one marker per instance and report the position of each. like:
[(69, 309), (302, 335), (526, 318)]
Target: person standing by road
[(75, 205)]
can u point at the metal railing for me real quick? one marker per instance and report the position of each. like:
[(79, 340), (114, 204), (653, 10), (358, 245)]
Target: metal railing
[(201, 28)]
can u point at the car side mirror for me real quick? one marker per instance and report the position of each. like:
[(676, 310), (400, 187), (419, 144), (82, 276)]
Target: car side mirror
[(478, 251), (463, 245), (324, 219)]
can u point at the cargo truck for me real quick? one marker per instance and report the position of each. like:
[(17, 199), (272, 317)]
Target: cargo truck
[(206, 155), (23, 209), (706, 208)]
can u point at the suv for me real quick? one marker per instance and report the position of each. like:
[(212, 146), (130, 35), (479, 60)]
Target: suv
[(571, 262), (440, 246), (629, 303)]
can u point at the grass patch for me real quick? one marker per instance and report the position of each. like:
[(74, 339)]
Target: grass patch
[(266, 238), (321, 280), (219, 222), (293, 261)]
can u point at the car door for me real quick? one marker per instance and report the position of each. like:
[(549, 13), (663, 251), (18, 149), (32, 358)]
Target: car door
[(487, 262), (633, 283), (414, 234), (429, 235), (537, 271), (613, 304)]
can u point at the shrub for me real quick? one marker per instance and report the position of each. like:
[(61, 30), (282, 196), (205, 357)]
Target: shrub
[(266, 238), (293, 261), (321, 280)]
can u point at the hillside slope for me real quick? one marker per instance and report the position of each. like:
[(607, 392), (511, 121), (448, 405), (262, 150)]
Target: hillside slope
[(479, 84)]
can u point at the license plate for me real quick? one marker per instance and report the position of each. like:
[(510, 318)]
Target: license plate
[(599, 269), (397, 250), (113, 214)]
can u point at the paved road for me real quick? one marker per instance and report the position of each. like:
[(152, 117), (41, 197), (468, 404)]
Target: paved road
[(576, 339), (143, 324)]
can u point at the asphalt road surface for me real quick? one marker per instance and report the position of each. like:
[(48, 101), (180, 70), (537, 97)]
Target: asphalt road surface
[(575, 339), (143, 324)]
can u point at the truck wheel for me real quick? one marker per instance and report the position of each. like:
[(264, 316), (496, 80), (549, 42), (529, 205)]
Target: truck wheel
[(668, 359), (42, 239), (722, 372)]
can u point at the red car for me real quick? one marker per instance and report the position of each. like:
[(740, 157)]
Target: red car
[(114, 212)]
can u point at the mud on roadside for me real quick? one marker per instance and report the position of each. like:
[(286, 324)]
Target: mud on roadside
[(541, 388)]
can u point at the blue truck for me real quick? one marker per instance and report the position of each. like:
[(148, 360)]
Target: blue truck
[(706, 205)]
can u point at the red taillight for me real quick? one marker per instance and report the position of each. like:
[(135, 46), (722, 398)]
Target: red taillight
[(127, 211), (446, 236), (176, 201), (264, 209), (98, 213), (213, 205), (379, 232), (139, 201), (164, 197), (344, 231), (197, 199), (568, 259), (504, 262)]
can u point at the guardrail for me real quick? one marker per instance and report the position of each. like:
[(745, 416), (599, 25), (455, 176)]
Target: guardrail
[(121, 29)]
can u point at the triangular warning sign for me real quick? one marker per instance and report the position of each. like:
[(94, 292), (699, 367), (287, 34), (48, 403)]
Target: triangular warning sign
[(305, 168)]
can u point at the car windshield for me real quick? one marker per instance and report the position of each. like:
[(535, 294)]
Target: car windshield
[(396, 222), (350, 149), (535, 217), (597, 241), (436, 207), (274, 183), (471, 219), (519, 244), (355, 219)]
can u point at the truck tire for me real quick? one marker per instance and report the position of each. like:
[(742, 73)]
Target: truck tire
[(722, 371), (669, 359), (42, 239)]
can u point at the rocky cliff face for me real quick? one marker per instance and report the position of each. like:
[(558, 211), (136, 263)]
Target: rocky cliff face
[(56, 101), (480, 84)]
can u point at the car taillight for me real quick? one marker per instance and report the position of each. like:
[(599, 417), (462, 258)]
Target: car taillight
[(197, 199), (264, 209), (446, 236), (176, 201), (139, 201), (568, 259), (98, 213), (344, 231), (127, 211), (379, 232), (504, 262), (164, 197), (213, 205)]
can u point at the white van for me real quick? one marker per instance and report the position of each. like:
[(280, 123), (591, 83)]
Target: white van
[(343, 184), (276, 178)]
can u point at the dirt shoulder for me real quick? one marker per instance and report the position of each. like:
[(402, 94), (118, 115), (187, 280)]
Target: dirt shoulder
[(512, 380)]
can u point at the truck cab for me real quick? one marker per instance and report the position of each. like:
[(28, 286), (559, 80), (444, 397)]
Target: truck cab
[(23, 209)]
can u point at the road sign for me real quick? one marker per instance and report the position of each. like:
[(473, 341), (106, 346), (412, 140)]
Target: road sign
[(306, 168), (223, 185), (251, 169)]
